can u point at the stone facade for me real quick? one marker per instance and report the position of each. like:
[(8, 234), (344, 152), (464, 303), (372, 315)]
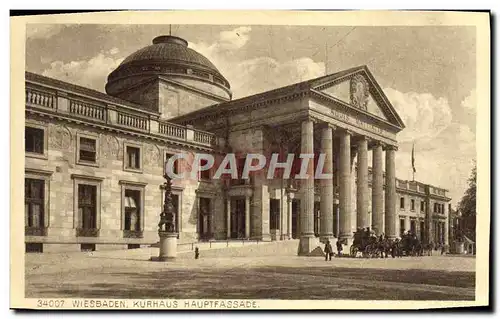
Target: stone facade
[(114, 200)]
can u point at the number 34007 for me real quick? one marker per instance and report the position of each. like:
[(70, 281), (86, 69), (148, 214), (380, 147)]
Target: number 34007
[(50, 303)]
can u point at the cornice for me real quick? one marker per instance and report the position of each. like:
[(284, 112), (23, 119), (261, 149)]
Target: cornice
[(218, 98), (87, 177), (240, 106)]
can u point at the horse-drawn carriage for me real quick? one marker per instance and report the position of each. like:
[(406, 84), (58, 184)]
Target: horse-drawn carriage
[(366, 243), (409, 245), (370, 246)]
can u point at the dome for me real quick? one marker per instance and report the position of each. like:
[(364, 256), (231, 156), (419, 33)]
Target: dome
[(168, 55), (170, 49)]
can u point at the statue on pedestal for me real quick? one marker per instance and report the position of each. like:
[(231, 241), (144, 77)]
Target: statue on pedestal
[(167, 217), (167, 227)]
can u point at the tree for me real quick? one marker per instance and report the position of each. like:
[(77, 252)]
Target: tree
[(467, 207)]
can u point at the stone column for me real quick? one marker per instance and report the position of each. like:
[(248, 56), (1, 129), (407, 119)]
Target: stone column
[(228, 218), (362, 184), (377, 190), (326, 190), (345, 186), (247, 217), (390, 192), (307, 239)]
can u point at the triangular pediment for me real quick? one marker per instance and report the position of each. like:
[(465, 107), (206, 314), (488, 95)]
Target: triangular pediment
[(358, 88)]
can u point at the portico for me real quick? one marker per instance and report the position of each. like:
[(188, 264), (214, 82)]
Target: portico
[(343, 116), (350, 218)]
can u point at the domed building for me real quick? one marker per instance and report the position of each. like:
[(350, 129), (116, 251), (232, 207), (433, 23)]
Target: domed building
[(170, 78), (94, 161)]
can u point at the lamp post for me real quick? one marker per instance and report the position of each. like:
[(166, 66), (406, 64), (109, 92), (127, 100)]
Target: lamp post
[(167, 227)]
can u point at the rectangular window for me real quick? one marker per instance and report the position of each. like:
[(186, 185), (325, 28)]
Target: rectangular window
[(34, 247), (274, 207), (175, 164), (240, 164), (402, 203), (204, 217), (34, 140), (88, 150), (412, 204), (206, 173), (87, 247), (413, 227), (87, 199), (34, 202), (401, 227), (422, 206), (133, 157), (132, 210)]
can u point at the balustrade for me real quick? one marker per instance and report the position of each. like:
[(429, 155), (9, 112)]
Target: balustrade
[(172, 130), (87, 110), (134, 121), (37, 98), (40, 98), (203, 137)]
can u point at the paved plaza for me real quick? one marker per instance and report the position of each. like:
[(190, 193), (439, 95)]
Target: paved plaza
[(265, 271)]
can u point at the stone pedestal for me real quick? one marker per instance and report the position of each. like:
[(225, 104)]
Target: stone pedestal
[(168, 246), (310, 246)]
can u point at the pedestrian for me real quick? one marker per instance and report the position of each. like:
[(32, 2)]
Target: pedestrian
[(339, 248), (196, 253), (328, 251)]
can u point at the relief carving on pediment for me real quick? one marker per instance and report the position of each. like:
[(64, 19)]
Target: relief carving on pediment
[(59, 137), (359, 92)]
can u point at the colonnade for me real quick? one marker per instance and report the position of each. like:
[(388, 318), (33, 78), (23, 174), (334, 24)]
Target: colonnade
[(347, 141)]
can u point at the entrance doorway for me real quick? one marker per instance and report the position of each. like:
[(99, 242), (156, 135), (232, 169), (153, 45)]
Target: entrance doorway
[(295, 218), (422, 231), (413, 227), (238, 218), (204, 219)]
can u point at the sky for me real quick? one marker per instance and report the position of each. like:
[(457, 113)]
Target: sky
[(427, 72)]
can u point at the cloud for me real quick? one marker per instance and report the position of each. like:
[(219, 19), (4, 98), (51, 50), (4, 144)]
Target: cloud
[(444, 148), (469, 103), (258, 74), (262, 74), (234, 39), (424, 116), (43, 31), (90, 73)]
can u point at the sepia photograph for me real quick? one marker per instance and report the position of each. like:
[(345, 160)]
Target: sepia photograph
[(250, 163)]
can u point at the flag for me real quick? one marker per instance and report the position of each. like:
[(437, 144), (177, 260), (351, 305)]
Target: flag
[(413, 158)]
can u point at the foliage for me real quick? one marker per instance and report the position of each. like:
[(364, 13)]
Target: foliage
[(467, 207)]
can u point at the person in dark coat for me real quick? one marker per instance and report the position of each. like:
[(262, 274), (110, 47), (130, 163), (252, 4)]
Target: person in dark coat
[(196, 253), (328, 251), (339, 248)]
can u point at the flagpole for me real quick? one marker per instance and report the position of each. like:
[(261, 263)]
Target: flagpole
[(413, 160)]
